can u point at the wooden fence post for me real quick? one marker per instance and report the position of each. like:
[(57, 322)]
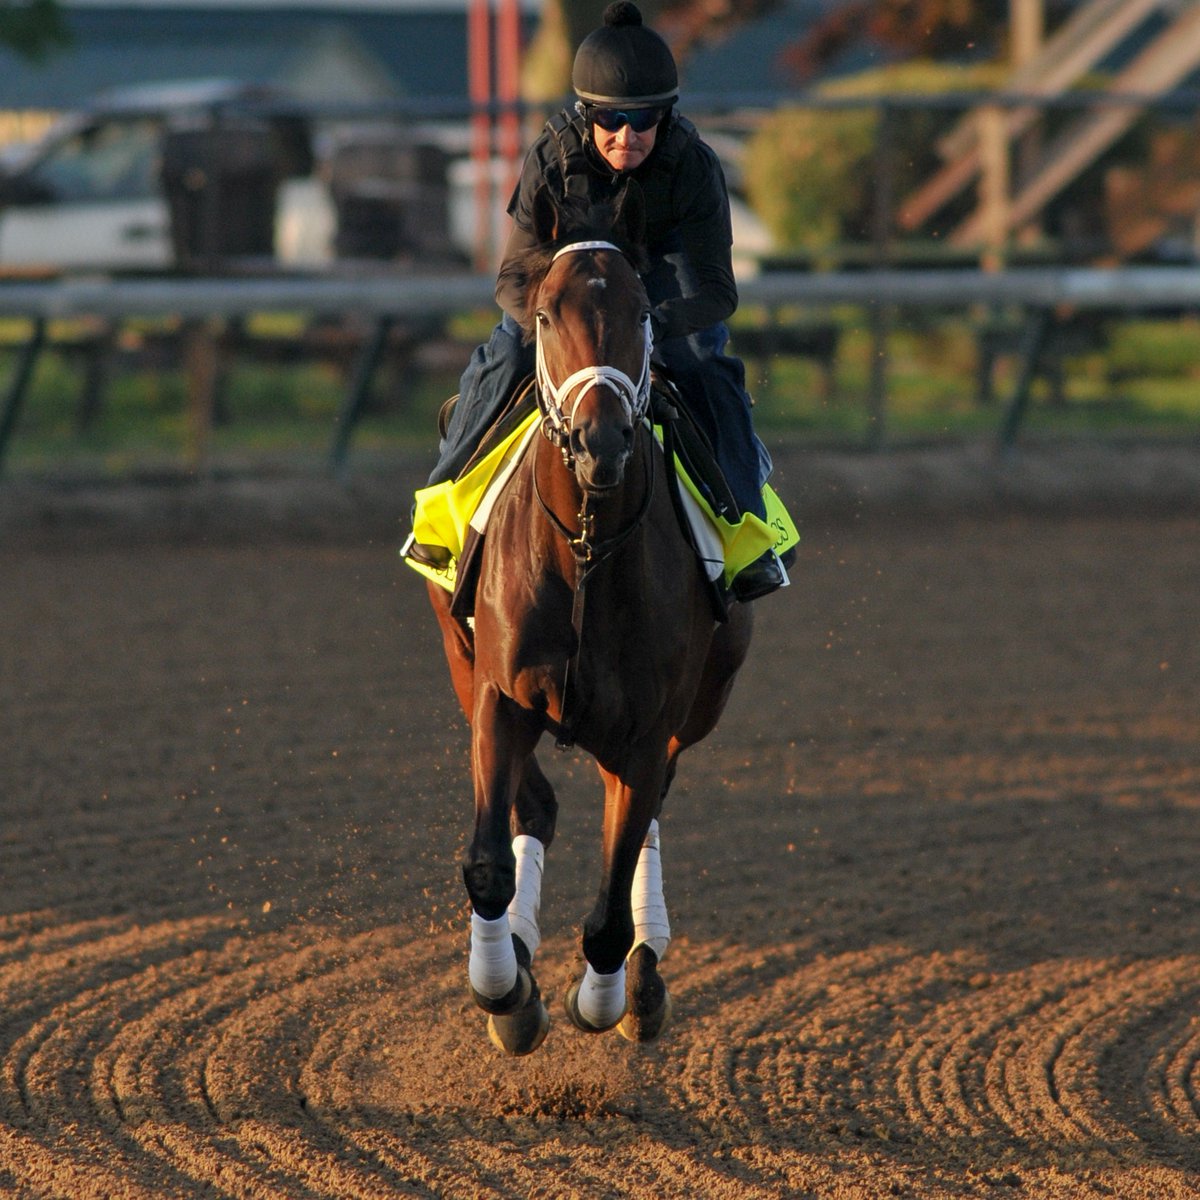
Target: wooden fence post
[(201, 365)]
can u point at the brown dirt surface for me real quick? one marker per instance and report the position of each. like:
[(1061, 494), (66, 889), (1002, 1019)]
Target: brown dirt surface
[(933, 881)]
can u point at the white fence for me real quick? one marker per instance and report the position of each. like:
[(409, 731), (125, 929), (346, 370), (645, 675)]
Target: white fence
[(1144, 289)]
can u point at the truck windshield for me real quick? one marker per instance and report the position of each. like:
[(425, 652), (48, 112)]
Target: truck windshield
[(114, 160)]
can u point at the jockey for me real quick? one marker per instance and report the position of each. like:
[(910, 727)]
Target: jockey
[(624, 125)]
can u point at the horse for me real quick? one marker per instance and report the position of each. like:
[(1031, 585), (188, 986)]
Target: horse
[(592, 621)]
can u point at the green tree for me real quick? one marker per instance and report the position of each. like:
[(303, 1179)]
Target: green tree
[(809, 172), (33, 29)]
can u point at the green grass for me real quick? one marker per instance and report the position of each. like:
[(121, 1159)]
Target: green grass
[(266, 414), (1146, 381)]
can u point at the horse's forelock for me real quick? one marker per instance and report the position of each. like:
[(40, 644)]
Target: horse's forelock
[(578, 222)]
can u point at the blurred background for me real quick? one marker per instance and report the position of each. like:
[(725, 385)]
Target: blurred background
[(254, 232)]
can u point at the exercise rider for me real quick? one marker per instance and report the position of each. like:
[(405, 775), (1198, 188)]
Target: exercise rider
[(624, 125)]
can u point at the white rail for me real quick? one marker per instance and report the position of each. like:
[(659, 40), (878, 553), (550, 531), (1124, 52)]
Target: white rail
[(1129, 288)]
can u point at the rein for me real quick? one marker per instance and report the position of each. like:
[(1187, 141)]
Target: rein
[(589, 554), (553, 401)]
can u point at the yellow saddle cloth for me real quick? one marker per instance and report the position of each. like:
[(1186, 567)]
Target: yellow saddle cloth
[(446, 513)]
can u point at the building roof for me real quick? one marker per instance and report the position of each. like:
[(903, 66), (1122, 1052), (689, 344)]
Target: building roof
[(327, 52)]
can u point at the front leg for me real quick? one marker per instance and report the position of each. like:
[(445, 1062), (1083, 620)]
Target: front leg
[(502, 739), (598, 1000)]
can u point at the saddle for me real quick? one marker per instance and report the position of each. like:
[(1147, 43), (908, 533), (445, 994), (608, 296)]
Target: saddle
[(517, 409), (691, 446), (454, 514)]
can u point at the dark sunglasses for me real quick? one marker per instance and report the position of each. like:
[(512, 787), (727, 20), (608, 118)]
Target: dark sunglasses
[(640, 120)]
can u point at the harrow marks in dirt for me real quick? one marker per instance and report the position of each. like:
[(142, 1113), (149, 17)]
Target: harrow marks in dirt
[(948, 948), (195, 1055), (191, 1056), (1089, 1069)]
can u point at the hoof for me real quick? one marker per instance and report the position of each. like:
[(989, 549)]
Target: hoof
[(639, 1027), (649, 1003), (571, 1004), (523, 1031)]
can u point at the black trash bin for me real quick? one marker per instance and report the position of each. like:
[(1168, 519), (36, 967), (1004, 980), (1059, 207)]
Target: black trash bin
[(391, 196), (221, 182)]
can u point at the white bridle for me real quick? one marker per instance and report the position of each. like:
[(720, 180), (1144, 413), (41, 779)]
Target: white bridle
[(555, 398)]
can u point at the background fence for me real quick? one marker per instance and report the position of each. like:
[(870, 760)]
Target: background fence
[(960, 243)]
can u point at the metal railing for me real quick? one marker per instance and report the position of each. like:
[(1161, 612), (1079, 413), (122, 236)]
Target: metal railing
[(1039, 293)]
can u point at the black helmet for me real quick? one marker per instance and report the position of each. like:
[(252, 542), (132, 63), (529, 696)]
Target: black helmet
[(624, 63)]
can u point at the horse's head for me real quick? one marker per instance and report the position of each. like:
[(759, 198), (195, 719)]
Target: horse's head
[(590, 318)]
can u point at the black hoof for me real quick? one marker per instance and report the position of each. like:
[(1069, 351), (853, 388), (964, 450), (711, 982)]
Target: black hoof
[(648, 1003), (523, 1031), (571, 1004)]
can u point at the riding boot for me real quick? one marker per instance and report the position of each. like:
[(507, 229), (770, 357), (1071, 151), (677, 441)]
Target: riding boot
[(437, 557), (763, 576)]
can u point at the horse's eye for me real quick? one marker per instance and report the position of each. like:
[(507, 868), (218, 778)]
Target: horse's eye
[(541, 317)]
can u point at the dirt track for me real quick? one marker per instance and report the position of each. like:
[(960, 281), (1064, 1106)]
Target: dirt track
[(933, 883)]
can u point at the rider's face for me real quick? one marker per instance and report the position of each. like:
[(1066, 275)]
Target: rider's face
[(624, 150)]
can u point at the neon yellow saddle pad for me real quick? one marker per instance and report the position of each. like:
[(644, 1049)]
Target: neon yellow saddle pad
[(446, 512)]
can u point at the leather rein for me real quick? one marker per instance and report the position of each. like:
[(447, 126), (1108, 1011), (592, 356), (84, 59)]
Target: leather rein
[(558, 404)]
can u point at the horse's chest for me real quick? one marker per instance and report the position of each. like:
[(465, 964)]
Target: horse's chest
[(614, 661), (624, 678)]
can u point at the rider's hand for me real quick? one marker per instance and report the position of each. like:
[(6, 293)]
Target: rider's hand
[(658, 325)]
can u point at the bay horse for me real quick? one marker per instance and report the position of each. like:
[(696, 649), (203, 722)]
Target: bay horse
[(634, 675)]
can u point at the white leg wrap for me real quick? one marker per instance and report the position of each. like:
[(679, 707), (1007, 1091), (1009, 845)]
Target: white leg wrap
[(523, 911), (649, 906), (602, 997), (493, 964)]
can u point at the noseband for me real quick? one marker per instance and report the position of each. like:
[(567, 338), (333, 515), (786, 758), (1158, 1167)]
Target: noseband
[(559, 402)]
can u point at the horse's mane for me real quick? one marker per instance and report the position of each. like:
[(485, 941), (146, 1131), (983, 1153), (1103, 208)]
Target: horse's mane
[(578, 221)]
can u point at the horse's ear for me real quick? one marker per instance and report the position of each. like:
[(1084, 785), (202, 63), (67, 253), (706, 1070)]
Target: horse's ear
[(629, 220), (546, 216)]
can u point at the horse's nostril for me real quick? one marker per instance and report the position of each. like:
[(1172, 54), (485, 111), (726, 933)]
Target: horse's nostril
[(578, 449), (627, 436)]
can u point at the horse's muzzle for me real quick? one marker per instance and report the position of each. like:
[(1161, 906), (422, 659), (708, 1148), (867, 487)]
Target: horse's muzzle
[(601, 453)]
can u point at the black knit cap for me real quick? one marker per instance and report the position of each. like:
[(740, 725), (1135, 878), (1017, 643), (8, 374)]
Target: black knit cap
[(624, 63)]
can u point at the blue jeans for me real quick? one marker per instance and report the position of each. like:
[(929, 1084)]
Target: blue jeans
[(493, 373)]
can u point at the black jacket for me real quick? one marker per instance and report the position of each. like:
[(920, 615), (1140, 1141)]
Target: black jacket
[(687, 209)]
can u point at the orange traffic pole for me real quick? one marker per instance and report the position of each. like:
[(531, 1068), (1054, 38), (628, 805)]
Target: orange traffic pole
[(508, 89), (479, 82)]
